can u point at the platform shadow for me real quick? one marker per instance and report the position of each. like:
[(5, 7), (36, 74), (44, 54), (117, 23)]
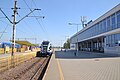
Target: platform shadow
[(82, 55)]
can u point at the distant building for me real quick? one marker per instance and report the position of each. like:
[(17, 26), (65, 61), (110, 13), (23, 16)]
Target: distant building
[(101, 35), (9, 44)]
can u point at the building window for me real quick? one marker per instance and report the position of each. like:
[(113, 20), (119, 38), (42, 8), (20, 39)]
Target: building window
[(118, 19), (110, 40), (113, 40), (100, 27), (107, 44), (108, 23), (113, 21), (118, 39), (96, 29), (104, 25), (93, 30)]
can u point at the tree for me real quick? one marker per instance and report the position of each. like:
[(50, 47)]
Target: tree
[(67, 44)]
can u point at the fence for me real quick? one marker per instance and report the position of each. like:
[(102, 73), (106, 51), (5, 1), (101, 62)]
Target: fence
[(9, 62), (3, 51)]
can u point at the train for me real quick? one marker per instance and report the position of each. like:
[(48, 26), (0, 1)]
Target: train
[(46, 49)]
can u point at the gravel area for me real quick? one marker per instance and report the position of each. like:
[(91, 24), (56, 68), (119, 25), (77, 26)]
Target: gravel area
[(24, 71)]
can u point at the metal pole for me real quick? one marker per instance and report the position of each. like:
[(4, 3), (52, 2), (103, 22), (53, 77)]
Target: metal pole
[(76, 34), (14, 24), (77, 39)]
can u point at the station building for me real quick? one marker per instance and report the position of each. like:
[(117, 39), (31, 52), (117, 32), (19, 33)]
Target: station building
[(101, 35)]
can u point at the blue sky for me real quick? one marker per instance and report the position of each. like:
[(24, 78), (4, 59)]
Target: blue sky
[(58, 13)]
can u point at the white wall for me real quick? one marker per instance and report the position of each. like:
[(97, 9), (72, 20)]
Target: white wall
[(72, 46), (113, 50)]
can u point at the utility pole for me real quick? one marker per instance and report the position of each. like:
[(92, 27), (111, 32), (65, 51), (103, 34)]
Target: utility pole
[(83, 20), (14, 25), (14, 22), (77, 24)]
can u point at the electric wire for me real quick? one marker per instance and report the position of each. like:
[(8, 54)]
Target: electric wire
[(7, 26), (41, 20), (29, 29), (17, 28), (10, 8), (37, 20), (3, 31), (27, 25), (34, 15)]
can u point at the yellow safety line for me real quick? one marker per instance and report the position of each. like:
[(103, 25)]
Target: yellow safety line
[(47, 69), (60, 70)]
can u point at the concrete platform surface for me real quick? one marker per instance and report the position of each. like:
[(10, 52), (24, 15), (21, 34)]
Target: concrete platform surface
[(16, 53), (83, 66)]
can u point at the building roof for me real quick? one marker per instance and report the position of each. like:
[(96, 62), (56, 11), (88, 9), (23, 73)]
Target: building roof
[(108, 13), (25, 43)]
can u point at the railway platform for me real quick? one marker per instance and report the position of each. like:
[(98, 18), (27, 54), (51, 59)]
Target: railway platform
[(83, 66), (16, 53)]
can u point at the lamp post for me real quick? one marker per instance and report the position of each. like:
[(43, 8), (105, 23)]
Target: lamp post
[(77, 24)]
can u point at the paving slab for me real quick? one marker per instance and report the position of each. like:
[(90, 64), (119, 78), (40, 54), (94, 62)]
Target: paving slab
[(52, 72), (84, 66)]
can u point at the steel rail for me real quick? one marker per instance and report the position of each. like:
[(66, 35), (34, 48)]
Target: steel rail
[(39, 70)]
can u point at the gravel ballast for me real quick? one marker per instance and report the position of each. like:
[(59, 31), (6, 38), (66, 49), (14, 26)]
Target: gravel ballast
[(24, 71)]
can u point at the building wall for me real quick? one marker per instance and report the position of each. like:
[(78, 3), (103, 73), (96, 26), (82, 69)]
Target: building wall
[(112, 44), (73, 46), (107, 26), (112, 50)]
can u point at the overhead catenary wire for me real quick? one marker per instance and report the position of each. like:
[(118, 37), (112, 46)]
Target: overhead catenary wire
[(22, 30), (14, 22), (17, 28), (29, 29), (27, 25), (33, 1), (3, 31), (5, 22), (26, 31), (20, 8), (39, 14), (11, 26), (5, 16), (33, 14), (2, 17), (43, 28), (41, 20), (35, 18)]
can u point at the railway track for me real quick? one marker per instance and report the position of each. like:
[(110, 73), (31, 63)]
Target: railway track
[(40, 71), (30, 70)]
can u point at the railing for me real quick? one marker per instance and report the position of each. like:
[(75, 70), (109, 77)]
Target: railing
[(9, 62), (3, 51)]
